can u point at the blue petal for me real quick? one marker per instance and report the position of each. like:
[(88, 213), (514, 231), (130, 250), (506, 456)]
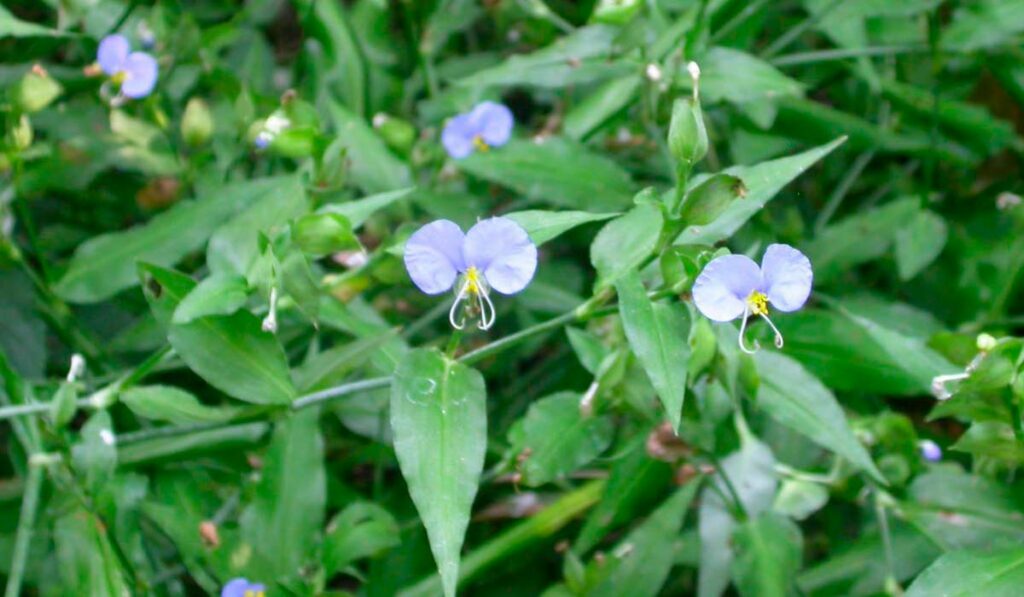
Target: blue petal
[(457, 136), (433, 256), (493, 122), (112, 53), (503, 251), (140, 75), (721, 290), (787, 277), (235, 588)]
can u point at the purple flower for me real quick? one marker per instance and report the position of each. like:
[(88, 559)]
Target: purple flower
[(930, 450), (496, 253), (135, 72), (733, 286), (487, 125), (241, 587)]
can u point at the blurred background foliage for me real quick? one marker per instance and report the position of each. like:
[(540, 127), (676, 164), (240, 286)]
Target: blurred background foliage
[(883, 139)]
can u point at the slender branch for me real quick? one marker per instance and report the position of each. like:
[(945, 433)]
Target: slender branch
[(26, 523)]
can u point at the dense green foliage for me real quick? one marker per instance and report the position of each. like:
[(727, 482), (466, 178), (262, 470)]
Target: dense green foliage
[(214, 364)]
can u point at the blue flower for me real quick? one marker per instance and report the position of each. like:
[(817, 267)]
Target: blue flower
[(734, 286), (496, 253), (135, 72), (487, 125), (930, 450), (241, 587)]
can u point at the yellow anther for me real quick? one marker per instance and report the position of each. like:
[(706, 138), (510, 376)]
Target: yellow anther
[(119, 77), (480, 144), (473, 281), (758, 302)]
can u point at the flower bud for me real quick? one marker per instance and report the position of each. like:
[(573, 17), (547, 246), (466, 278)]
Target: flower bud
[(21, 133), (616, 12), (687, 137), (197, 123), (35, 91)]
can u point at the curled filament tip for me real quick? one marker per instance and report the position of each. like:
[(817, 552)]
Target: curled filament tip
[(743, 333)]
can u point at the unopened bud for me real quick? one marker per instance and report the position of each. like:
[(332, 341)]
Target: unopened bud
[(77, 367), (270, 321), (986, 342), (197, 123), (653, 72)]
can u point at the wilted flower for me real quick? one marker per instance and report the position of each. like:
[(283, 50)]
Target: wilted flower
[(134, 72), (496, 253), (487, 125), (272, 127), (930, 450), (733, 286), (241, 587)]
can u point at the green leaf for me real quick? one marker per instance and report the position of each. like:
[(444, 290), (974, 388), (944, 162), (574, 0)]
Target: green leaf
[(235, 245), (11, 26), (94, 456), (360, 210), (751, 470), (360, 530), (330, 25), (798, 400), (554, 439), (968, 573), (647, 552), (372, 167), (556, 171), (739, 78), (763, 181), (85, 558), (799, 499), (984, 24), (232, 352), (859, 238), (174, 405), (623, 244), (334, 364), (219, 294), (105, 264), (543, 225), (579, 57), (600, 105), (635, 484), (439, 422), (769, 550), (919, 242), (658, 335), (282, 523), (962, 511)]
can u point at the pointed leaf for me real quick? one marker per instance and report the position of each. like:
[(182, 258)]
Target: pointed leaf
[(232, 353), (543, 225), (167, 403), (439, 422), (625, 243), (969, 573), (798, 400), (220, 294), (769, 549), (658, 335), (763, 181)]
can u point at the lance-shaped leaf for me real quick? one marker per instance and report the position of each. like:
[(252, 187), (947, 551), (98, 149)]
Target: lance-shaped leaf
[(439, 422), (658, 335), (230, 352), (768, 556), (966, 573)]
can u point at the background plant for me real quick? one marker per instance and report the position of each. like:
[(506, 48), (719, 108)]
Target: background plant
[(211, 351)]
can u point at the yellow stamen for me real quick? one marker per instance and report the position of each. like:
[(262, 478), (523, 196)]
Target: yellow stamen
[(119, 77), (480, 144), (758, 302), (473, 281)]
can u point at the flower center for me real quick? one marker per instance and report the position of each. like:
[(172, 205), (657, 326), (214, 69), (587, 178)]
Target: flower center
[(481, 145), (251, 593), (119, 77), (758, 302), (474, 281)]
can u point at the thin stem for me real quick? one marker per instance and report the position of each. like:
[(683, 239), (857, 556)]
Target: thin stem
[(747, 12), (497, 346), (842, 189), (883, 527), (343, 390), (740, 510), (26, 523), (843, 53)]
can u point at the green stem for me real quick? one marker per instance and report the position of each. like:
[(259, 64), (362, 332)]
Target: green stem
[(453, 343), (521, 537), (26, 524), (497, 346), (883, 527), (843, 54)]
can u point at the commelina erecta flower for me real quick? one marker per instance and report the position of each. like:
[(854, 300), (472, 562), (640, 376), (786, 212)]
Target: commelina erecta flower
[(134, 72), (241, 587), (496, 253), (734, 286), (930, 450), (487, 125)]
